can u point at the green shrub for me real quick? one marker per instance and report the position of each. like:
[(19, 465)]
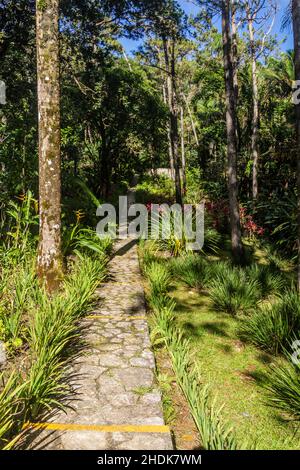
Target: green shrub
[(194, 193), (17, 285), (214, 431), (273, 327), (148, 251), (159, 278), (174, 245), (233, 293), (155, 189), (277, 262), (269, 282), (283, 386), (212, 240), (160, 302), (219, 269), (11, 407), (22, 222), (191, 269), (84, 240), (163, 321)]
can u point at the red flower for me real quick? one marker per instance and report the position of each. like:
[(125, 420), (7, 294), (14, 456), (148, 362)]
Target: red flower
[(249, 225)]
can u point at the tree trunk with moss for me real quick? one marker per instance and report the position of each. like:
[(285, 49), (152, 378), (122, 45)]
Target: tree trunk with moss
[(47, 39), (296, 28), (235, 224)]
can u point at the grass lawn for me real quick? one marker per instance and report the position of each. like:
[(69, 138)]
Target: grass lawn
[(234, 371)]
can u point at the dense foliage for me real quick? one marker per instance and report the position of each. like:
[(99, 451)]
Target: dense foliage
[(114, 118), (123, 117)]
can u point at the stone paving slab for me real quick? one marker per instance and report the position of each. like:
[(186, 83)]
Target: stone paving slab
[(116, 374)]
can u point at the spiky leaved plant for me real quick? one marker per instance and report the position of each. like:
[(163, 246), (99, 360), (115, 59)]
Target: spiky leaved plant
[(270, 282), (234, 293), (283, 387), (273, 327), (159, 278), (192, 269)]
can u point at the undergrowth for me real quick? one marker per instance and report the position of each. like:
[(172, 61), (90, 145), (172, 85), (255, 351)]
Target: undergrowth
[(215, 434), (41, 334), (52, 340)]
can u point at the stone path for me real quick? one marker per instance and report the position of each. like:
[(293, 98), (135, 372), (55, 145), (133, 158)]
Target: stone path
[(116, 375)]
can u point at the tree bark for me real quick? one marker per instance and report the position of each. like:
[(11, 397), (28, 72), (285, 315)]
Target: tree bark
[(235, 67), (192, 120), (104, 164), (236, 239), (296, 28), (235, 54), (183, 161), (169, 50), (47, 38), (166, 101), (255, 112)]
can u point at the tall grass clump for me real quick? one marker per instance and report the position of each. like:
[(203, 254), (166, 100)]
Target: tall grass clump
[(218, 269), (160, 302), (233, 293), (17, 285), (270, 281), (41, 332), (21, 223), (159, 278), (191, 269), (148, 253), (212, 240), (53, 340), (11, 408), (273, 327), (283, 387)]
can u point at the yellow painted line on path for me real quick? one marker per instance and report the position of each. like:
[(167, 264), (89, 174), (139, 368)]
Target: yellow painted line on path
[(188, 437), (99, 428)]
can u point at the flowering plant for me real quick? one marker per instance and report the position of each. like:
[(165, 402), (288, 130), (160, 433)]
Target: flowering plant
[(251, 228), (219, 212)]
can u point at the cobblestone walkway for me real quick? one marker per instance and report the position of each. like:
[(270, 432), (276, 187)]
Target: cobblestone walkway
[(116, 377)]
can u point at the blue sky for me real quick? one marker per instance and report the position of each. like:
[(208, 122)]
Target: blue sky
[(190, 8)]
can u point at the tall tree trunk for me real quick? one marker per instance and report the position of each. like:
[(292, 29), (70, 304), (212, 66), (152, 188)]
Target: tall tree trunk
[(296, 28), (192, 120), (47, 38), (236, 239), (165, 88), (234, 53), (255, 112), (169, 49), (104, 165), (183, 161), (234, 28)]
